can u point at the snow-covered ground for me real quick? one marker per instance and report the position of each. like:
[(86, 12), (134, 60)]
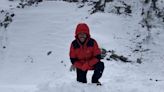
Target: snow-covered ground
[(36, 58), (6, 4)]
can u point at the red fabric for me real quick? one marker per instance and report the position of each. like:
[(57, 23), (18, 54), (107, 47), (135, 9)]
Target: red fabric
[(82, 27), (86, 67), (86, 55)]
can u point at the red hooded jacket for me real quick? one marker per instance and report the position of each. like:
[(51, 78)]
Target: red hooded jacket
[(87, 53)]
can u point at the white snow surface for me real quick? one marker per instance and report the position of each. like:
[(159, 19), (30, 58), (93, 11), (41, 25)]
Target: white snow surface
[(50, 27), (6, 4)]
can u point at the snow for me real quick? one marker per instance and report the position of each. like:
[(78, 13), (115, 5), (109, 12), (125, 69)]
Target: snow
[(35, 31), (6, 4)]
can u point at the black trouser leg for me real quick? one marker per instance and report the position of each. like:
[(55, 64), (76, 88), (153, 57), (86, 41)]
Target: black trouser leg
[(98, 71), (81, 76)]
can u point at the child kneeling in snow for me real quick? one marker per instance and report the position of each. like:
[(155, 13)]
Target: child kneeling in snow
[(85, 55)]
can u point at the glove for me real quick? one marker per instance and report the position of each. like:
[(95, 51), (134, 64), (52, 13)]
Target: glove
[(85, 67), (103, 53), (72, 68)]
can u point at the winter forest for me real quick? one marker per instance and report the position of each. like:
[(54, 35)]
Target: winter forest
[(35, 39)]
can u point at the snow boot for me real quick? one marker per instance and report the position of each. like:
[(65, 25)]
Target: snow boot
[(98, 83)]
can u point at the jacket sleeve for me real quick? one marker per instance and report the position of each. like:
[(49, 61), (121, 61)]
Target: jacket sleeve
[(74, 59), (72, 55), (96, 55)]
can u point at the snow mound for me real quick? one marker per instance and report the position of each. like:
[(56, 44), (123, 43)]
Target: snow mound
[(70, 87)]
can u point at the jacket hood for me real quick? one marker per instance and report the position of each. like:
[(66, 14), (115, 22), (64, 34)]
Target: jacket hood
[(82, 28)]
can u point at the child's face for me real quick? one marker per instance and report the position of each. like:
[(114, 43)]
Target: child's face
[(82, 37)]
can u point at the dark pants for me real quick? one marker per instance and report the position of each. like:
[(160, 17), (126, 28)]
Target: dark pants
[(98, 70)]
